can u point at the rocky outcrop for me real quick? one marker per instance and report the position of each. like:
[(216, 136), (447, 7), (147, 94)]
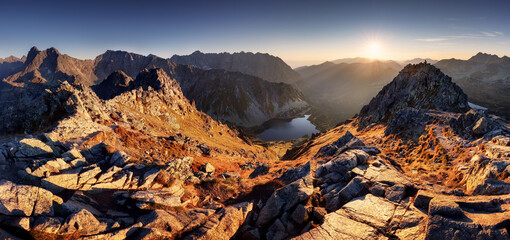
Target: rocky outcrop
[(420, 86)]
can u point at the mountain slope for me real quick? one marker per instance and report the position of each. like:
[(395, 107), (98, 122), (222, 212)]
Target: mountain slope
[(265, 66), (484, 77)]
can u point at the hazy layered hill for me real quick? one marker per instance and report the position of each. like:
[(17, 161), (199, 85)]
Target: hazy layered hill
[(261, 65), (485, 78), (360, 60), (245, 100), (417, 60), (341, 90)]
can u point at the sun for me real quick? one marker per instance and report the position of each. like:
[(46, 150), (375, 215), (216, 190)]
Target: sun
[(374, 50)]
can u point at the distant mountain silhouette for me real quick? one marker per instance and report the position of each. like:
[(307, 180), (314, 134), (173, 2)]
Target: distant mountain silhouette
[(484, 77), (261, 65)]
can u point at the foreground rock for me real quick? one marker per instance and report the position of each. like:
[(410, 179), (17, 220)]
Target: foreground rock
[(23, 200)]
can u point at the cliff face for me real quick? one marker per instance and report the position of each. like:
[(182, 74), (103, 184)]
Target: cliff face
[(265, 66)]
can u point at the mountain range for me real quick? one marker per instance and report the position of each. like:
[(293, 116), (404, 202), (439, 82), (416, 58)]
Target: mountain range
[(485, 78), (265, 66), (259, 100)]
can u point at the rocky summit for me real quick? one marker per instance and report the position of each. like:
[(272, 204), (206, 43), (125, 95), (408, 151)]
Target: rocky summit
[(420, 86), (131, 157)]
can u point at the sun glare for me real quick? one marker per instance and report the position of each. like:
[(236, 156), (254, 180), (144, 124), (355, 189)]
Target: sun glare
[(374, 50)]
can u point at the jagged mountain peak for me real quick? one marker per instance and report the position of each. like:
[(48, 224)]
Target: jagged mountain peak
[(484, 58), (31, 54), (155, 78), (419, 86)]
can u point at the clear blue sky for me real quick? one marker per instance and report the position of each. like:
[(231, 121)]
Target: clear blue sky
[(300, 32)]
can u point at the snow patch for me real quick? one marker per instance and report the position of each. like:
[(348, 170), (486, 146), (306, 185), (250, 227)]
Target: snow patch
[(476, 107)]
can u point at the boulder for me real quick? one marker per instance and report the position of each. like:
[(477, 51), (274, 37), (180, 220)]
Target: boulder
[(347, 141), (79, 201), (47, 224), (340, 164), (445, 208), (276, 231), (180, 168), (300, 214), (72, 154), (261, 169), (439, 227), (116, 235), (32, 147), (155, 197), (66, 180), (284, 199), (295, 173), (369, 208), (339, 226), (492, 187), (82, 221), (148, 178), (395, 193), (230, 175), (52, 166), (24, 200), (119, 158), (480, 127), (335, 200), (422, 201), (207, 168), (224, 224)]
